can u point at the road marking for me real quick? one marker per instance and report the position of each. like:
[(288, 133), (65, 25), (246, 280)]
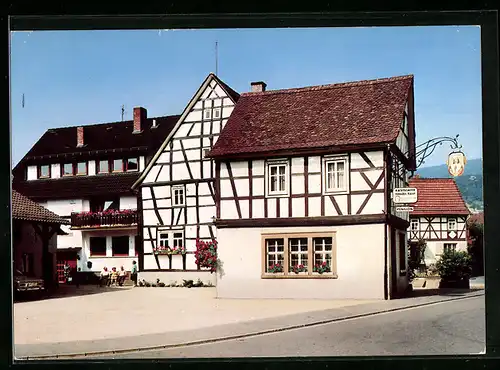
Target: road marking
[(241, 336)]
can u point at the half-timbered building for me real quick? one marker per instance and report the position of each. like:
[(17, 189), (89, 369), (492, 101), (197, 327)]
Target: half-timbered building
[(439, 217), (304, 182), (177, 188), (85, 173)]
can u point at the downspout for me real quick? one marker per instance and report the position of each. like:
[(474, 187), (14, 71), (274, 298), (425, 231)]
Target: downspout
[(386, 213)]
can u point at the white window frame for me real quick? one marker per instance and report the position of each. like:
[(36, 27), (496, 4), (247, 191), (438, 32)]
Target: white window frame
[(170, 237), (217, 114), (335, 159), (414, 221), (177, 188), (207, 113), (454, 221), (277, 163)]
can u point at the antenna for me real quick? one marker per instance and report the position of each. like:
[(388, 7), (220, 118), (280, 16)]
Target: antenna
[(23, 101), (123, 111), (216, 58)]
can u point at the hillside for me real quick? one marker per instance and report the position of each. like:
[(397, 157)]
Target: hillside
[(470, 183)]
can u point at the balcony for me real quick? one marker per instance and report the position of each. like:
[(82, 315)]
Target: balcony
[(106, 219)]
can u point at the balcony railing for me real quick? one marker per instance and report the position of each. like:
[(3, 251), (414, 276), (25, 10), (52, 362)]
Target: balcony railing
[(105, 219)]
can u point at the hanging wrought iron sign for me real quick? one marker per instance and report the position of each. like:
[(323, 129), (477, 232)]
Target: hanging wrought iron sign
[(456, 163)]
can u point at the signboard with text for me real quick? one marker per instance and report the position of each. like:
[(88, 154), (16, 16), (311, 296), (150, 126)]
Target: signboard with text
[(404, 195), (404, 209)]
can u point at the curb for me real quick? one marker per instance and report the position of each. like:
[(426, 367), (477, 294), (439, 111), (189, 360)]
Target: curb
[(239, 336)]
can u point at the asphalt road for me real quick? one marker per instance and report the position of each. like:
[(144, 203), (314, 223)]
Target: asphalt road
[(456, 327)]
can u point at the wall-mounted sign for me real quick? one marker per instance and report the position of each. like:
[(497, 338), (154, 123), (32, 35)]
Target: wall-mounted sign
[(404, 195), (404, 209), (456, 163)]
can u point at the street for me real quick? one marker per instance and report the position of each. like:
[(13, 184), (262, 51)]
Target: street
[(455, 327)]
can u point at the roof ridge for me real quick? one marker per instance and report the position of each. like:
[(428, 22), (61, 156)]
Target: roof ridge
[(330, 86), (110, 123)]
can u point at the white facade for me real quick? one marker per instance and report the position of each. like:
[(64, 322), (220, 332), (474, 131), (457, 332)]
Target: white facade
[(78, 238), (177, 187), (359, 260), (439, 232)]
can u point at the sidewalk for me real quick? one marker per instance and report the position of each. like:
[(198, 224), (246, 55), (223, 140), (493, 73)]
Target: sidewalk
[(231, 322)]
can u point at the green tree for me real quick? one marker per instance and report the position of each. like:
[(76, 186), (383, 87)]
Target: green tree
[(475, 247)]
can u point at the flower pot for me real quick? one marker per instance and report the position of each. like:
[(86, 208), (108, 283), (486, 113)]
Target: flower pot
[(454, 283)]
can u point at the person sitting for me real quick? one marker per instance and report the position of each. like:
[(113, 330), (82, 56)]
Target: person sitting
[(114, 276), (122, 275), (104, 277)]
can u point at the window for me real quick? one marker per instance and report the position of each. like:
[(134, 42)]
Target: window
[(207, 113), (163, 239), (67, 169), (132, 164), (299, 255), (452, 224), (217, 113), (449, 247), (27, 264), (120, 245), (99, 205), (178, 238), (177, 195), (97, 246), (414, 224), (275, 252), (44, 171), (81, 168), (103, 166), (335, 175), (277, 178), (402, 253), (205, 152), (117, 165)]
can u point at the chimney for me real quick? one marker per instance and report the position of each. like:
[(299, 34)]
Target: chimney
[(79, 137), (258, 86), (140, 115)]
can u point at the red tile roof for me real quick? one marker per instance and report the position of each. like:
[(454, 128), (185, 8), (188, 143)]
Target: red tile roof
[(77, 187), (354, 113), (27, 210), (437, 197)]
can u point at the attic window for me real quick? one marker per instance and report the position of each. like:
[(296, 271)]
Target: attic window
[(81, 168), (67, 169), (217, 113), (132, 164), (44, 171), (118, 165), (207, 113), (103, 166)]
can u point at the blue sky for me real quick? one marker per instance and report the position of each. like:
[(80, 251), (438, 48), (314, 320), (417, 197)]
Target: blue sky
[(74, 78)]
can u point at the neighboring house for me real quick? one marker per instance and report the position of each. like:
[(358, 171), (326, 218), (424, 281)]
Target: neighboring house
[(178, 187), (439, 217), (34, 238), (85, 174), (304, 182)]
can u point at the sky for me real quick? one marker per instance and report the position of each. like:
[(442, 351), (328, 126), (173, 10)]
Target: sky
[(72, 78)]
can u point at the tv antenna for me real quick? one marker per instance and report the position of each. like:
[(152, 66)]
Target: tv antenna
[(216, 58), (123, 111), (23, 101)]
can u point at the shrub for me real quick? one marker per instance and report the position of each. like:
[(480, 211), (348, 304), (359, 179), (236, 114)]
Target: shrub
[(416, 257), (188, 283), (454, 265)]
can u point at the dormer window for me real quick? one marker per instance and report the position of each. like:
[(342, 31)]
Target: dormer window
[(67, 169), (44, 171), (103, 166), (117, 165), (132, 164), (81, 168)]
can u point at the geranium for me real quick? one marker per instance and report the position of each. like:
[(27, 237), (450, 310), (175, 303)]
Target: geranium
[(206, 254), (321, 268), (275, 267), (298, 268)]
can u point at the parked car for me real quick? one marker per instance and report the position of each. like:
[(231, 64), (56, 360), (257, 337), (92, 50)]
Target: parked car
[(25, 284)]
